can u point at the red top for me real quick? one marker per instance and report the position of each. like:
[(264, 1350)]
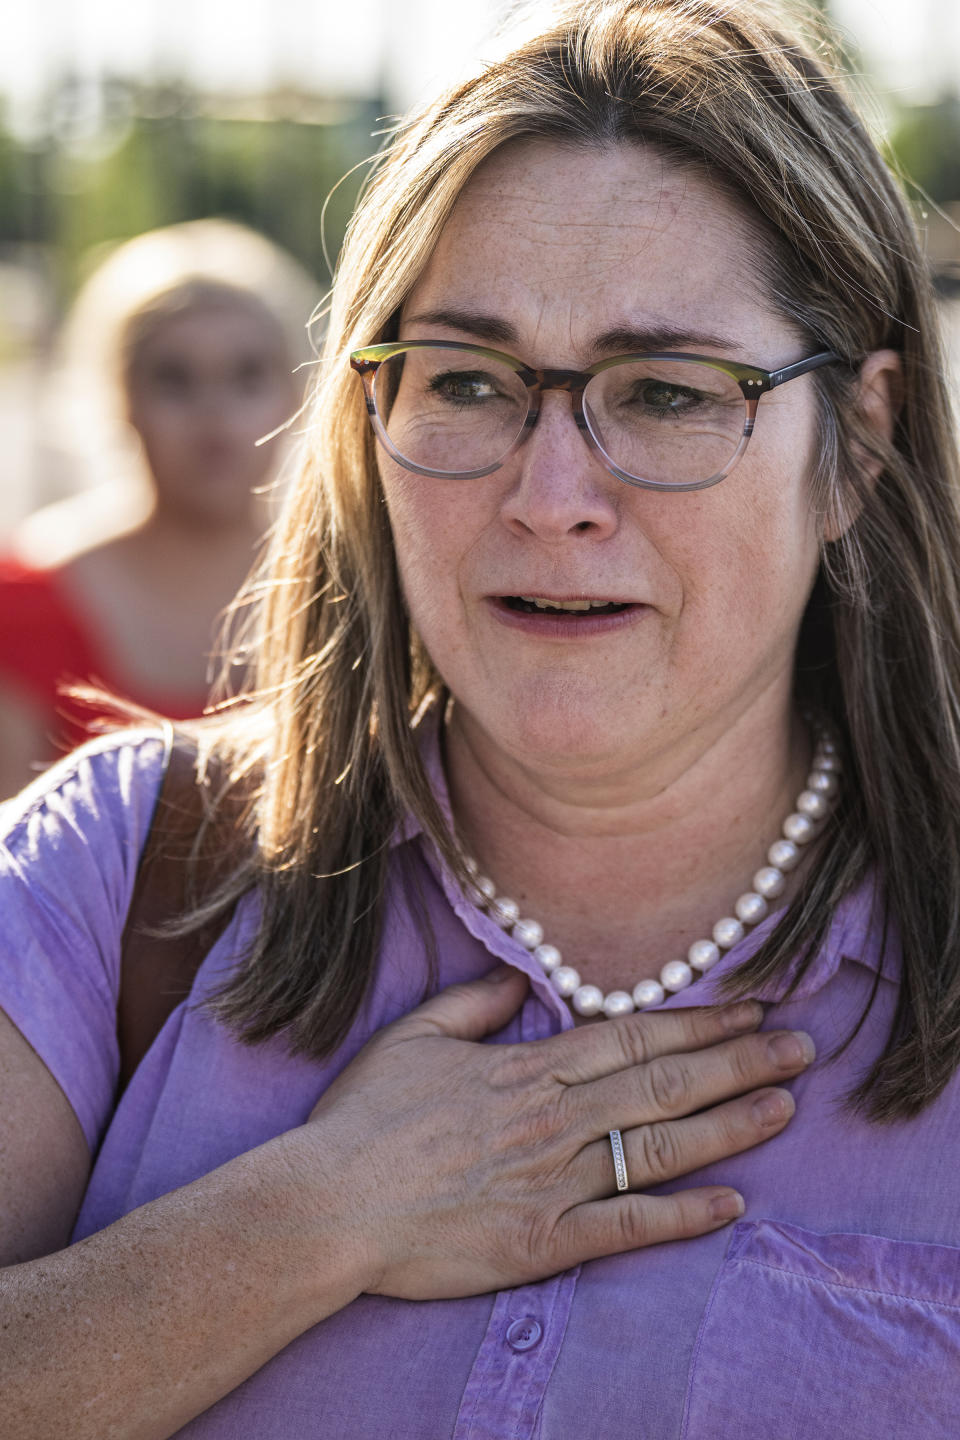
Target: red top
[(45, 644)]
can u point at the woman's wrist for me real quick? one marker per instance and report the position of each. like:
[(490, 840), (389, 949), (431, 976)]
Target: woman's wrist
[(300, 1210)]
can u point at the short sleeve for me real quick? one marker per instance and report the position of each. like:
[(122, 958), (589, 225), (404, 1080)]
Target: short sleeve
[(69, 849)]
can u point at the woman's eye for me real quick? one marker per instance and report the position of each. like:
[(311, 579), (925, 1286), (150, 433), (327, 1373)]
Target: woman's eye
[(659, 395), (251, 375), (171, 379), (463, 386)]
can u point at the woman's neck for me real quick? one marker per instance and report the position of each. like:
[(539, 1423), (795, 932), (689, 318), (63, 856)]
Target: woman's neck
[(154, 596), (207, 544), (625, 867)]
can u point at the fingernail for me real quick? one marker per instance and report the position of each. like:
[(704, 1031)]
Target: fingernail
[(500, 974), (728, 1206), (773, 1108), (744, 1016), (792, 1049)]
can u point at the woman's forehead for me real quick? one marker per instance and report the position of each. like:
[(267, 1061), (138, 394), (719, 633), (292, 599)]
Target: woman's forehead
[(208, 324), (549, 237)]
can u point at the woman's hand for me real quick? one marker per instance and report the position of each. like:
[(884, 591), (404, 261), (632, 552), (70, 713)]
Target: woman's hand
[(473, 1167)]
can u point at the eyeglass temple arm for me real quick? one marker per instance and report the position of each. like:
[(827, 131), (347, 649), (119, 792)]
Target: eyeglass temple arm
[(812, 362)]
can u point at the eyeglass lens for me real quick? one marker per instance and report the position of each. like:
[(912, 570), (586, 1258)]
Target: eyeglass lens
[(673, 422)]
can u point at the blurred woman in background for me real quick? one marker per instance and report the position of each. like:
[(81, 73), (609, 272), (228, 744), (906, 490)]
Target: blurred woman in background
[(189, 336)]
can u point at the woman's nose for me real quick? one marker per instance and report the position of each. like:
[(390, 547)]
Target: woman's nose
[(560, 488)]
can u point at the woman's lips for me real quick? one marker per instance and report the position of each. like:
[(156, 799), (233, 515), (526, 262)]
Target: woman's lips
[(568, 625)]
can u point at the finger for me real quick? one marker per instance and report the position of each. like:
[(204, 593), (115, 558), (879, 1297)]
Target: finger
[(468, 1011), (670, 1148), (675, 1085), (597, 1050), (630, 1222)]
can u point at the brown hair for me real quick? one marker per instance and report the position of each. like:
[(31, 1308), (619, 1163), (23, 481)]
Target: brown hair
[(735, 92)]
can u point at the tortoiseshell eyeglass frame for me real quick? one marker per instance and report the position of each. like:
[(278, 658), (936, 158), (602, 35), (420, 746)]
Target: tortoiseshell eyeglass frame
[(752, 380)]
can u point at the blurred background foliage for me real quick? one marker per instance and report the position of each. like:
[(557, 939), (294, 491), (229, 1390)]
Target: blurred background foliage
[(926, 141), (117, 157)]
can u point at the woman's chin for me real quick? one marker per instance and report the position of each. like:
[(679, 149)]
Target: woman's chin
[(563, 737)]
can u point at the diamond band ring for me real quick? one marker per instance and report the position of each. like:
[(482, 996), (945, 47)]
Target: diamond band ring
[(619, 1160)]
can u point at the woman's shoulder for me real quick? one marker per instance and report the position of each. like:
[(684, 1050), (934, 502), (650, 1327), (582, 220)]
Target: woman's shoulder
[(101, 795), (70, 846)]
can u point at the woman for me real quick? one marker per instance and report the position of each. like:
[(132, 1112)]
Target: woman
[(627, 638), (186, 333)]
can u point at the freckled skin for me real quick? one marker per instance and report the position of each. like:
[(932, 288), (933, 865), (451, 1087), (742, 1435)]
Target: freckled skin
[(564, 244)]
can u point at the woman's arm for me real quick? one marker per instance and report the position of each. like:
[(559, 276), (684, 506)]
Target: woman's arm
[(44, 1160), (139, 1328), (433, 1166)]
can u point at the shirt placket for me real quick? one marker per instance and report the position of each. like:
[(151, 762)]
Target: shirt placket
[(504, 1392)]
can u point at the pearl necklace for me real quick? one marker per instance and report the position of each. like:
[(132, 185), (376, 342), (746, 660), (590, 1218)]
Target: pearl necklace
[(813, 807)]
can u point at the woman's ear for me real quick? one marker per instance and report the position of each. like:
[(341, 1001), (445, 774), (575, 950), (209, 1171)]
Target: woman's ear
[(877, 395)]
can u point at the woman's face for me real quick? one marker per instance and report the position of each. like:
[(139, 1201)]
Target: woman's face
[(203, 387), (560, 256)]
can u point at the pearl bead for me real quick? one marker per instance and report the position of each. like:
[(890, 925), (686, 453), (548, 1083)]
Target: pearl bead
[(702, 954), (647, 993), (470, 865), (769, 882), (587, 1000), (823, 782), (727, 932), (676, 975), (485, 887), (798, 828), (506, 912), (783, 854), (549, 957), (618, 1002), (812, 804), (751, 908), (528, 932), (827, 762), (565, 980)]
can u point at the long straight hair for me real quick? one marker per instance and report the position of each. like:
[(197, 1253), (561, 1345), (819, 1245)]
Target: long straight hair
[(732, 91)]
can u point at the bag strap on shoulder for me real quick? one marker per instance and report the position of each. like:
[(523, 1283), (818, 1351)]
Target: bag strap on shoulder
[(157, 970)]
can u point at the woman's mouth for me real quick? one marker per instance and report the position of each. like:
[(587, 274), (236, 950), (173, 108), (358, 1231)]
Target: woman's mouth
[(567, 618), (533, 605)]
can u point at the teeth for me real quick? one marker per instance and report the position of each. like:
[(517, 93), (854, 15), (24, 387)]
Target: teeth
[(563, 604)]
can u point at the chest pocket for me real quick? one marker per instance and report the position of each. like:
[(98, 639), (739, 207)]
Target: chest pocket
[(847, 1336)]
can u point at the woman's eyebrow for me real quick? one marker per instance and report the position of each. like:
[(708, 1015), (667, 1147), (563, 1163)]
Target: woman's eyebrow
[(618, 340), (627, 339), (471, 322)]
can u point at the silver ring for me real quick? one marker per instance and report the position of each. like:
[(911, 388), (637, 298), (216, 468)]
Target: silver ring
[(619, 1160)]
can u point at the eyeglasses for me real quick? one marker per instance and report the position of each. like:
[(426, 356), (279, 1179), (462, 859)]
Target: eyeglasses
[(666, 422)]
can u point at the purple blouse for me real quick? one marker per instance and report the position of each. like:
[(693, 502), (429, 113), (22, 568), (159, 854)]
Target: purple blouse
[(831, 1309)]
